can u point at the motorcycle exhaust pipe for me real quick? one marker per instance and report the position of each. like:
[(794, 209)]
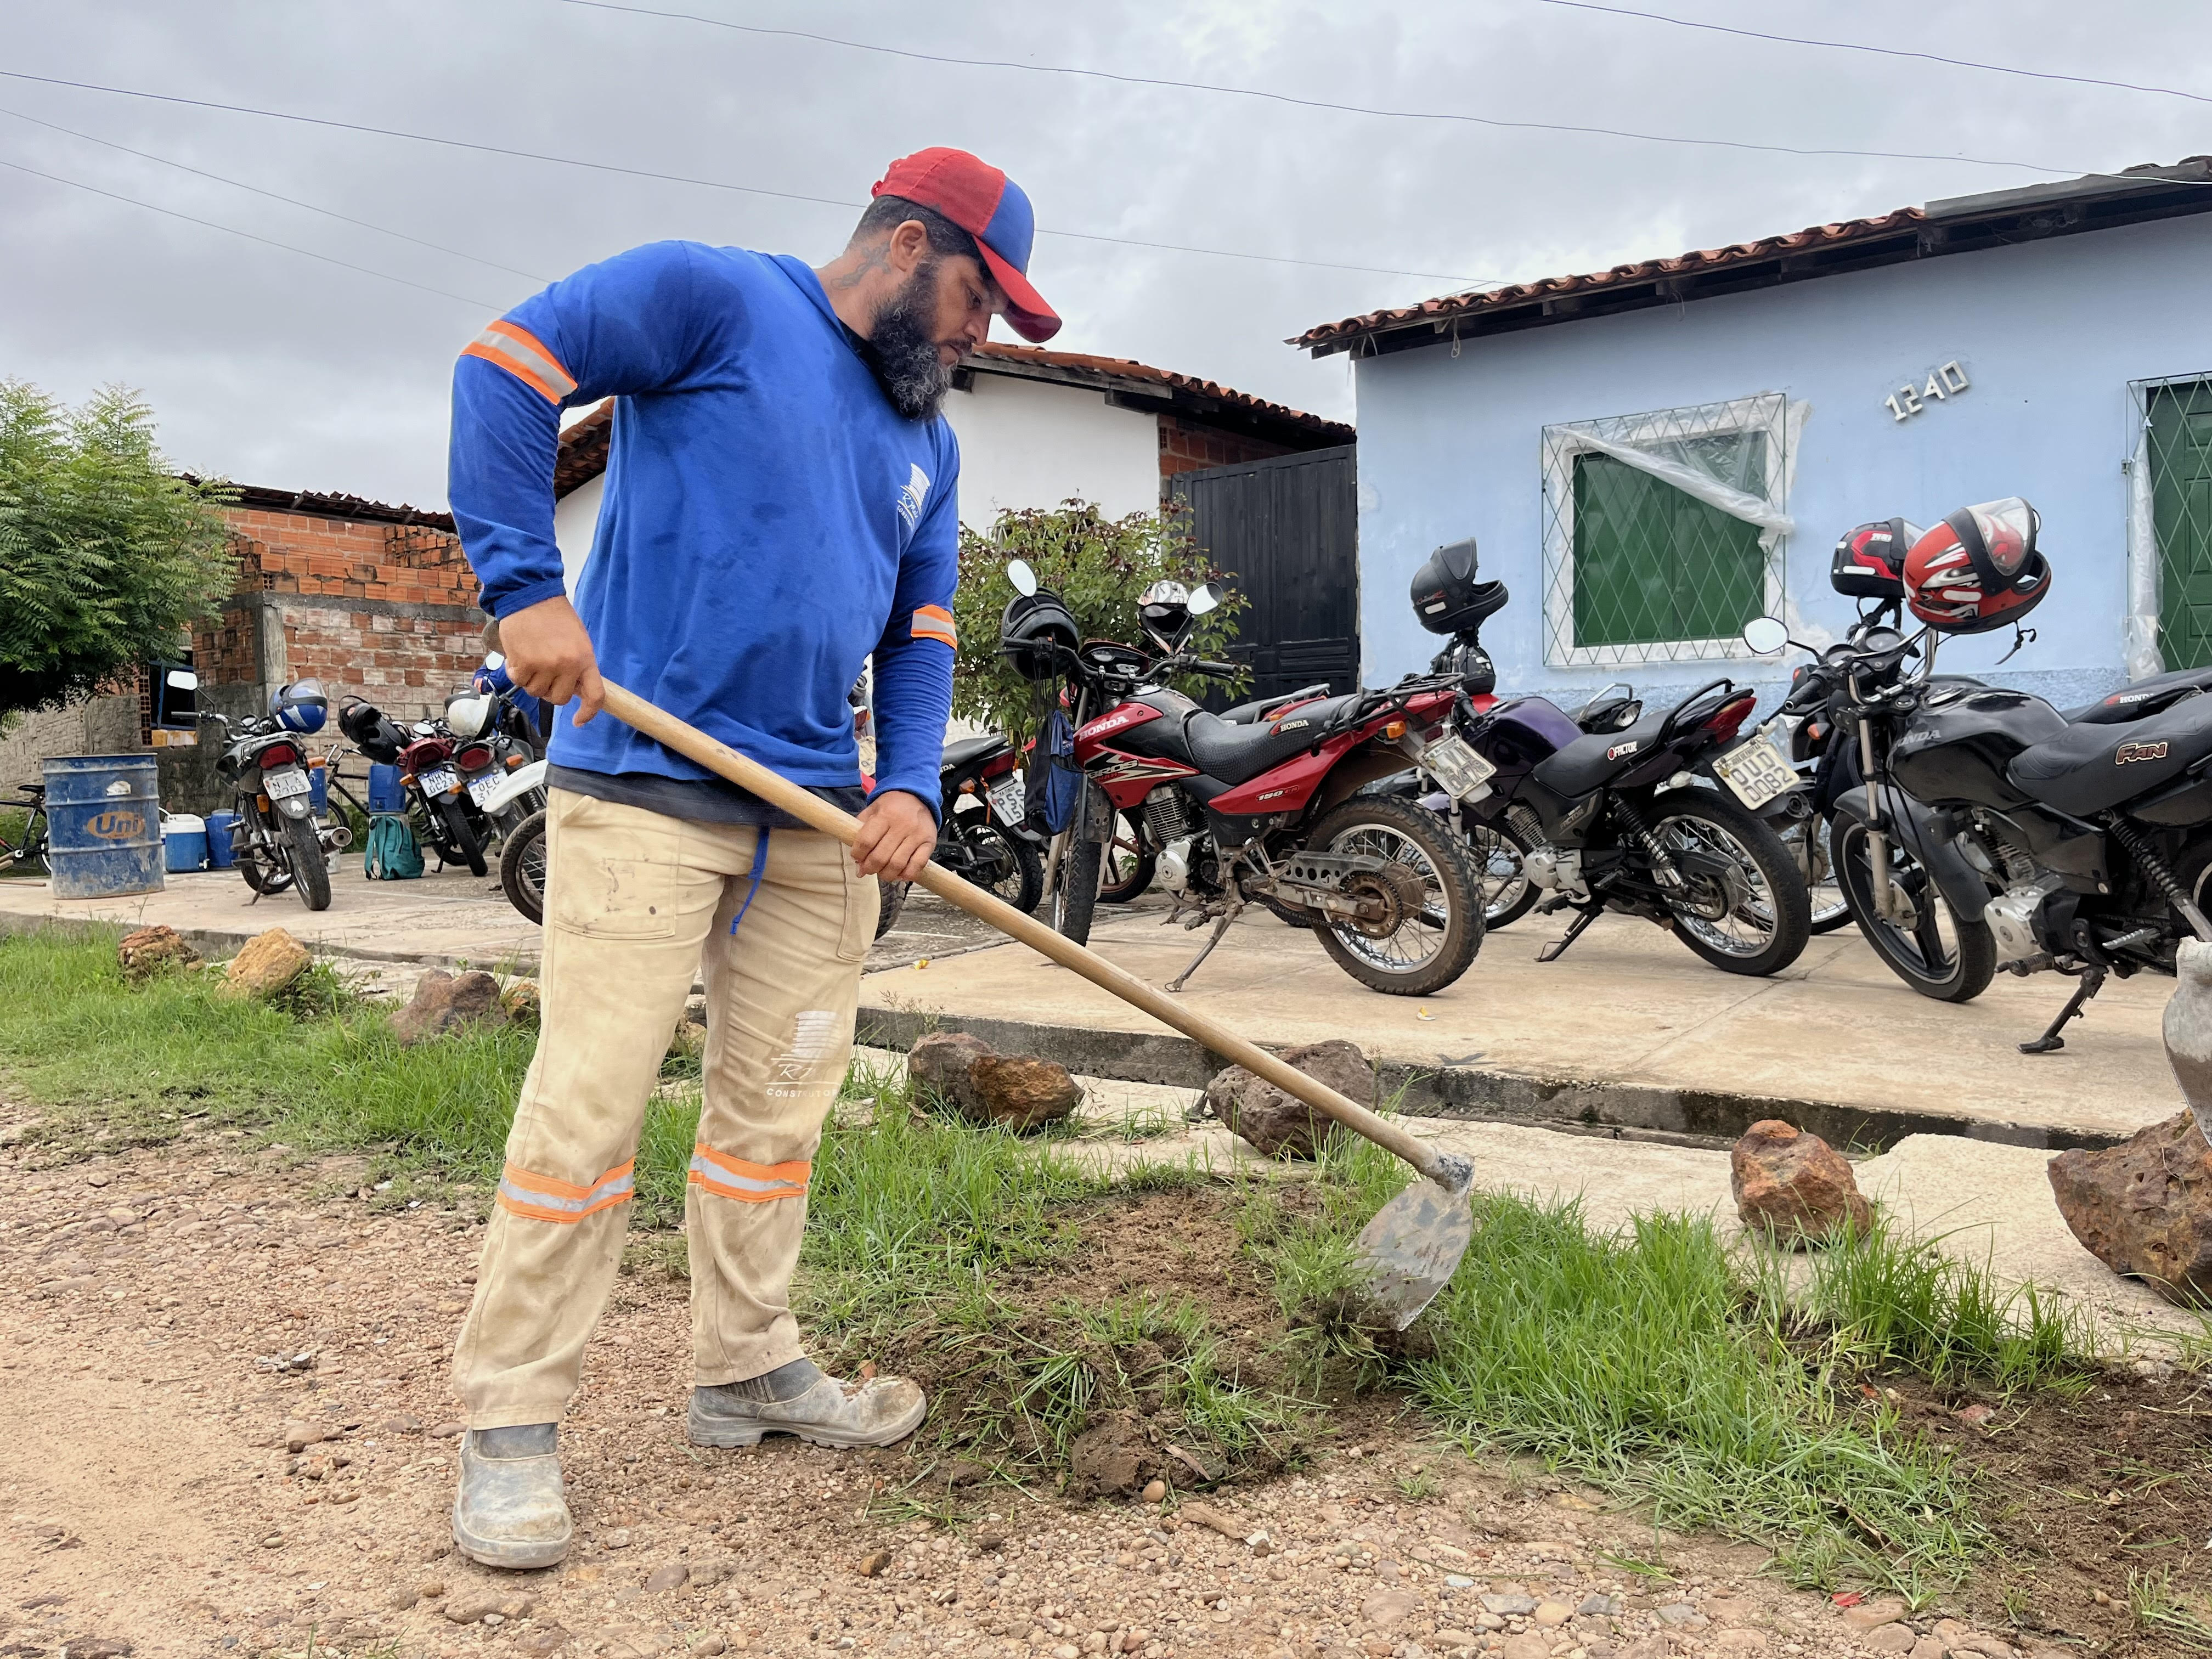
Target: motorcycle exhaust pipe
[(338, 838)]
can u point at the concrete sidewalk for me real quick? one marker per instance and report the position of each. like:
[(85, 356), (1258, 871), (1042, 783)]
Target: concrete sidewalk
[(1627, 1031)]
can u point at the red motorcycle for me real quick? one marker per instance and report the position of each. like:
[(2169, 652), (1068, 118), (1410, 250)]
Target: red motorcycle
[(1270, 813)]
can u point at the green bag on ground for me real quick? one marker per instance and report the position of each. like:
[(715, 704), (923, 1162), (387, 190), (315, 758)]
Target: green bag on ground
[(390, 853)]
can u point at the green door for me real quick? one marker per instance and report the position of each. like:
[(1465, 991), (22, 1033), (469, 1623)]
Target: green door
[(2181, 517), (1654, 565)]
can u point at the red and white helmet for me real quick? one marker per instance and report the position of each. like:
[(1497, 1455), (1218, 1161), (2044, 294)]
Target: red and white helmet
[(1978, 569)]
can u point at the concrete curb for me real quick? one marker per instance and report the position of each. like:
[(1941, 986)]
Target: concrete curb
[(1619, 1110), (213, 942)]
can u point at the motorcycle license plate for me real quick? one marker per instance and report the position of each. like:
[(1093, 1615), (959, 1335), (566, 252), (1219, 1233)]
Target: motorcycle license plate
[(1008, 800), (1453, 763), (440, 782), (1756, 772), (283, 786), (482, 787)]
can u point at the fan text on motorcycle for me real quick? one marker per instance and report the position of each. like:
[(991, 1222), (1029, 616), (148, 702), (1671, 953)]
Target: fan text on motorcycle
[(2138, 751)]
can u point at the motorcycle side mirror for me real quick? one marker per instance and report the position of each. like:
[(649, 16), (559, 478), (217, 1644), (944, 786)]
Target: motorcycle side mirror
[(1023, 579), (183, 679), (1206, 598), (1765, 635)]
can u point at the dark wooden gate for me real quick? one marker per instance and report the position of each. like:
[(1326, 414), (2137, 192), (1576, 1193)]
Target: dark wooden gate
[(1287, 531)]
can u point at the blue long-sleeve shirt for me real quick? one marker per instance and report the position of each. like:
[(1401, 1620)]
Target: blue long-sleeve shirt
[(770, 520)]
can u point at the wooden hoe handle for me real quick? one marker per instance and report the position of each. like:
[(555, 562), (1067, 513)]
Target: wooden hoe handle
[(813, 810)]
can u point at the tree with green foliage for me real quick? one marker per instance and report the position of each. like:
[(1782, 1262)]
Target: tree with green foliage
[(1098, 566), (106, 553)]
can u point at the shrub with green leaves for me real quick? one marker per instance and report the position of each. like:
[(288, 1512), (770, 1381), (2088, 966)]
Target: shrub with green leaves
[(1098, 566), (106, 554)]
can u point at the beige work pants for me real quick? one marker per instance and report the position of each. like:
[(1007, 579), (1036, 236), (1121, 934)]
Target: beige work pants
[(634, 902)]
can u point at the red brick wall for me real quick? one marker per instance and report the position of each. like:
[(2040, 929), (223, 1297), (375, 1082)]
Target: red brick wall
[(1187, 448), (410, 636)]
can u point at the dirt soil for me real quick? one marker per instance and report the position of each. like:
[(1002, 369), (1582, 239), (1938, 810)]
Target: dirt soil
[(228, 1429), (2089, 1490)]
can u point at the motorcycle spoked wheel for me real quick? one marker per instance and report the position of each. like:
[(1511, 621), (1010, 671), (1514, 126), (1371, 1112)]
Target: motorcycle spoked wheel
[(1005, 867), (1810, 844), (311, 865), (266, 871), (1130, 860), (463, 837), (1082, 867), (522, 867), (1508, 894), (1927, 945), (1432, 925), (1745, 909)]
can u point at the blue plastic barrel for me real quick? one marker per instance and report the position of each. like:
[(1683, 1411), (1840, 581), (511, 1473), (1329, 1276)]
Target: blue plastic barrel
[(106, 834), (183, 844), (385, 793), (219, 828)]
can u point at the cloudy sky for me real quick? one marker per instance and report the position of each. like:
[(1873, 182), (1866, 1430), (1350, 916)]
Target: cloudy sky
[(275, 367)]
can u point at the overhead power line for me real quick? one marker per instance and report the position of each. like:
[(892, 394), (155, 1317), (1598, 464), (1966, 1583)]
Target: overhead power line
[(1295, 101), (480, 306), (682, 178), (289, 201), (1880, 51)]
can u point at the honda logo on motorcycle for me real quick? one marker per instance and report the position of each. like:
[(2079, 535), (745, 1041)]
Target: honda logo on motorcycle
[(1620, 748), (2138, 751)]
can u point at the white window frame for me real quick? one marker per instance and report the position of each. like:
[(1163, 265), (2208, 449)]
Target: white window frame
[(1769, 412)]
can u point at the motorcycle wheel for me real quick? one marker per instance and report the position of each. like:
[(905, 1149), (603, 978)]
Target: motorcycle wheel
[(1754, 918), (1811, 843), (1928, 946), (1130, 861), (890, 900), (1428, 947), (311, 866), (522, 867), (1005, 867), (265, 878), (1508, 894), (463, 838), (1082, 865)]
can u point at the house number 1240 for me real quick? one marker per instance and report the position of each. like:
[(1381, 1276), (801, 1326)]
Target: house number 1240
[(1943, 384)]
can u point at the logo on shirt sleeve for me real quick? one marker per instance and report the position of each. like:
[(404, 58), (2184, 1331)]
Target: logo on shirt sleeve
[(912, 497)]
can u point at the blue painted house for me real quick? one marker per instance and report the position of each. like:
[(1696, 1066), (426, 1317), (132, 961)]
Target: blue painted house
[(1650, 455)]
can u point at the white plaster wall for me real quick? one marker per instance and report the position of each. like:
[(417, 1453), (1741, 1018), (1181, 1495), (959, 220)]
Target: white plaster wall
[(575, 515), (1033, 444)]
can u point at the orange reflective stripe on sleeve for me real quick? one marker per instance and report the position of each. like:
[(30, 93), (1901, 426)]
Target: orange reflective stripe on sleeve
[(524, 355), (526, 1192), (753, 1183), (934, 622)]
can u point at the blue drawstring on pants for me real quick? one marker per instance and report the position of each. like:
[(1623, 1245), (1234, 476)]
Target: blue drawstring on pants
[(759, 867)]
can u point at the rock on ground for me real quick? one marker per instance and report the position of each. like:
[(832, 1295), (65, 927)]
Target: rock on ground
[(1018, 1092), (151, 949), (1794, 1185), (940, 1063), (445, 1002), (2144, 1208), (1276, 1123), (267, 965)]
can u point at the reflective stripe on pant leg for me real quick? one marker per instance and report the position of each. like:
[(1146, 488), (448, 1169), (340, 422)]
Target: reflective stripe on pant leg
[(754, 1183), (526, 1192)]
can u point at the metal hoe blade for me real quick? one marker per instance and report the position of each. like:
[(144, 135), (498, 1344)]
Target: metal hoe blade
[(1413, 1246)]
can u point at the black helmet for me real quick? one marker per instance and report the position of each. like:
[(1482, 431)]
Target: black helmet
[(1029, 629), (369, 730), (300, 707), (1447, 599), (1868, 563)]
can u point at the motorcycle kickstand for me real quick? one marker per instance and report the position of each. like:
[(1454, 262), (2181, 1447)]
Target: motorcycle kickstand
[(1584, 916), (2093, 981), (1219, 928)]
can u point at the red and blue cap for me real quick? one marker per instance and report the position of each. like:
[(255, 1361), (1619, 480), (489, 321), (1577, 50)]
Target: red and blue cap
[(990, 207)]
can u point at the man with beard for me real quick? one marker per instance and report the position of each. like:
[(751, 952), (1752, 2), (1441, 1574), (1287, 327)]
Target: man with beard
[(779, 508)]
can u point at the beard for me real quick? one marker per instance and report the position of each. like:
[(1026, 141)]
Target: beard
[(902, 350)]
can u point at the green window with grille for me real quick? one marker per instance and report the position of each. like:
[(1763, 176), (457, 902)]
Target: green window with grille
[(2181, 518), (1654, 565)]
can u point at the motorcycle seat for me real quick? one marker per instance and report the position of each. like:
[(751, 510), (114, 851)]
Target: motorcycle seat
[(1236, 754), (2091, 768), (1592, 760), (1246, 714), (966, 751), (2154, 696)]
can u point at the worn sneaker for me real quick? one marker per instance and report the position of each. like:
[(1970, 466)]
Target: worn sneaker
[(508, 1512), (874, 1412)]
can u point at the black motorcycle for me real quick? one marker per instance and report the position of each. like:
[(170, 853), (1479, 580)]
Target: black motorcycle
[(2083, 846), (278, 841), (981, 833)]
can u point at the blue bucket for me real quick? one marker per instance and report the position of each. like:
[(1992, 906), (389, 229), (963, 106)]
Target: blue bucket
[(106, 834), (385, 793), (183, 844), (219, 828)]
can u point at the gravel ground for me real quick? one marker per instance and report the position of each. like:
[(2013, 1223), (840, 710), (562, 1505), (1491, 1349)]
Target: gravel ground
[(228, 1429)]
